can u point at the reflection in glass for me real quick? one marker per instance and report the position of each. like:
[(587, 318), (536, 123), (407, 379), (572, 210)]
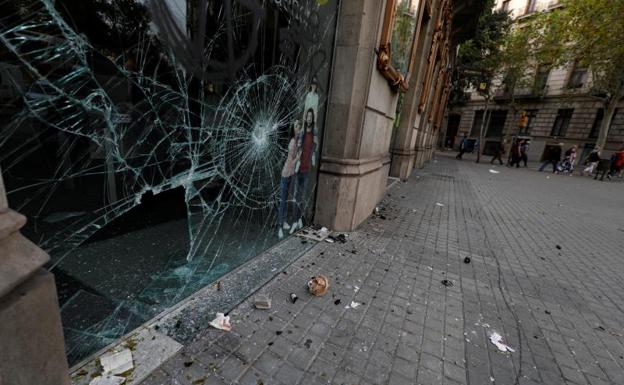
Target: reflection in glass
[(145, 141), (403, 34)]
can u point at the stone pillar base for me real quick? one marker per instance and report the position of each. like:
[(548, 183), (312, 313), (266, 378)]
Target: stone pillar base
[(420, 157), (32, 350), (349, 190), (402, 163), (32, 339)]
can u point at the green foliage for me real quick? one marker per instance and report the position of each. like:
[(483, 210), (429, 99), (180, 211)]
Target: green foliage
[(483, 53), (590, 32), (481, 58)]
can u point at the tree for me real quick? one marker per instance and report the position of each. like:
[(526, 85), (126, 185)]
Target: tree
[(480, 59), (589, 33)]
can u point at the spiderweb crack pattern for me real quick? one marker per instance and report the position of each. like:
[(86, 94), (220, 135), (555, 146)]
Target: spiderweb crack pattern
[(224, 151)]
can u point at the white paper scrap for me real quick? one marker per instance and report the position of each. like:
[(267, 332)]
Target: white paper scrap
[(498, 340), (494, 171), (117, 362), (439, 204), (221, 322)]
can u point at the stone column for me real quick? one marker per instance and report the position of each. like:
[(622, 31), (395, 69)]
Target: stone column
[(361, 106), (403, 152), (32, 349)]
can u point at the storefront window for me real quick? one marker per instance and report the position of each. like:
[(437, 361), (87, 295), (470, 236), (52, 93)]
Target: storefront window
[(156, 146), (403, 34), (397, 41)]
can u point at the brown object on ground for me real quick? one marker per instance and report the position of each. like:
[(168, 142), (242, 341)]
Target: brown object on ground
[(318, 285)]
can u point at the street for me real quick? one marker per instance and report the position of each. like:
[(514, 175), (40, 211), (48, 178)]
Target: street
[(544, 272)]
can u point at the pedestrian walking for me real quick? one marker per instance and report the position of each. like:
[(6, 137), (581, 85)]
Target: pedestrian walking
[(552, 155), (524, 150), (462, 147), (569, 159), (515, 154), (617, 163), (591, 161), (499, 151)]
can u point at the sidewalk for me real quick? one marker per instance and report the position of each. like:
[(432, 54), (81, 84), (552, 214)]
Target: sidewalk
[(545, 273)]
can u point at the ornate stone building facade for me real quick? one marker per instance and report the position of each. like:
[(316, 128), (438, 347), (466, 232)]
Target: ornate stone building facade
[(558, 106), (155, 153), (386, 110)]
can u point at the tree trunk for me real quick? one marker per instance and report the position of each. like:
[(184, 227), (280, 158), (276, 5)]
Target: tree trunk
[(606, 122), (485, 120)]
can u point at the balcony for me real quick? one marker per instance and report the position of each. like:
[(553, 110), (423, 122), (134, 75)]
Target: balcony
[(525, 93)]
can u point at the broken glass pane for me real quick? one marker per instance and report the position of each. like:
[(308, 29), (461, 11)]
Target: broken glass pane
[(152, 144)]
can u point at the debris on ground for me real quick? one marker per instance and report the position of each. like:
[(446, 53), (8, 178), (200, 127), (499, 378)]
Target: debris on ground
[(293, 297), (337, 302), (308, 343), (117, 362), (107, 380), (221, 322), (353, 305), (558, 247), (609, 331), (439, 204), (342, 238), (318, 285), (315, 233), (494, 171), (467, 260), (262, 302), (446, 283), (500, 342)]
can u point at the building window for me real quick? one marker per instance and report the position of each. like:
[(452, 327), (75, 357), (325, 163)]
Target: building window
[(597, 123), (497, 122), (531, 6), (541, 78), (394, 56), (476, 123), (527, 120), (578, 76), (562, 121)]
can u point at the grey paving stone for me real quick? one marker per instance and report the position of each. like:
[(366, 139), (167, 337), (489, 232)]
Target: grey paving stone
[(412, 329)]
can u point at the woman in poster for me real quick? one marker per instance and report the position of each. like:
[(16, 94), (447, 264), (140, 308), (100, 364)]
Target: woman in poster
[(307, 160), (288, 172)]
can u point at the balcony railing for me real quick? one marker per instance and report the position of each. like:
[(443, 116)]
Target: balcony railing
[(522, 93)]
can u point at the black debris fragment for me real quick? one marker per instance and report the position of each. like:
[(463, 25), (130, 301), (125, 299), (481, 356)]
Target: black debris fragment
[(308, 343), (558, 247), (447, 283), (188, 363), (278, 332), (467, 260), (293, 297), (337, 302)]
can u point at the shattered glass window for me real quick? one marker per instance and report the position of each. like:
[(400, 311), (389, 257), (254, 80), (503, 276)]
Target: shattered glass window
[(156, 145)]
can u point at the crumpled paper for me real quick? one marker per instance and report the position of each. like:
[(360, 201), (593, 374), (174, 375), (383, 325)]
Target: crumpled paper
[(221, 322), (500, 343)]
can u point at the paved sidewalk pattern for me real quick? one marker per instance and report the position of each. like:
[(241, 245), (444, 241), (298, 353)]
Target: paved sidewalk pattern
[(546, 273)]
